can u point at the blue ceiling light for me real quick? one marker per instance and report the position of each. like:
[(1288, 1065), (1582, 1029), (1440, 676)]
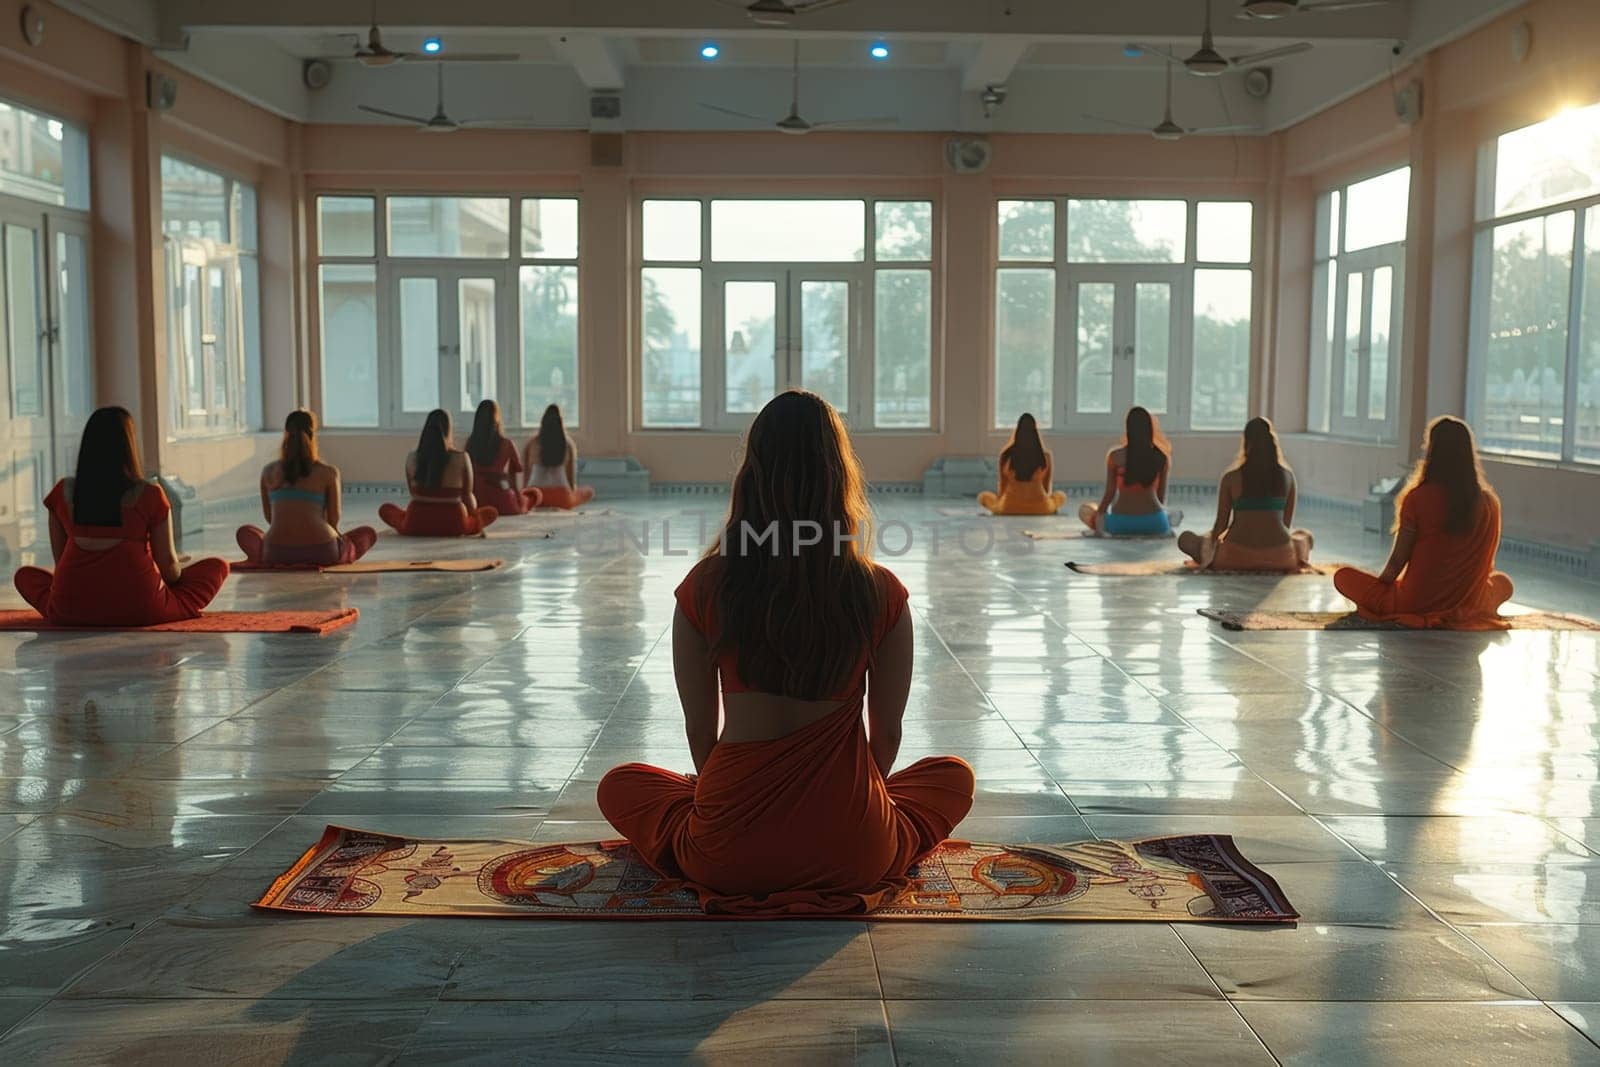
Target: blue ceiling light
[(878, 51), (433, 46), (709, 50)]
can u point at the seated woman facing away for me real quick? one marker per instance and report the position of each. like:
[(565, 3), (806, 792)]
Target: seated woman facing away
[(1025, 469), (1134, 503), (300, 497), (551, 459), (1255, 506), (1446, 532), (440, 480), (794, 809), (495, 465), (111, 533)]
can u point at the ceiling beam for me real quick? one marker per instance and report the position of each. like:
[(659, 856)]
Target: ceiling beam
[(992, 63), (592, 57)]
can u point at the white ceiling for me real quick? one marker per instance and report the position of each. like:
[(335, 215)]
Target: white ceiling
[(1062, 61)]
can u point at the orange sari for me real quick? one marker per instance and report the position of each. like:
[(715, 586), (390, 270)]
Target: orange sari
[(1449, 583)]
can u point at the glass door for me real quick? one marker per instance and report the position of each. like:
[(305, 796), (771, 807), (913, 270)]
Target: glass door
[(824, 335), (25, 344), (447, 327), (1122, 325), (1365, 332), (68, 335)]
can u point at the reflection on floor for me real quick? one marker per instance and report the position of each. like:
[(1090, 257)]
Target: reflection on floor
[(1427, 800)]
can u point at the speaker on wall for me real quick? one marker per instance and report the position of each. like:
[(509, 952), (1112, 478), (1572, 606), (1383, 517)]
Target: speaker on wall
[(968, 155), (160, 91)]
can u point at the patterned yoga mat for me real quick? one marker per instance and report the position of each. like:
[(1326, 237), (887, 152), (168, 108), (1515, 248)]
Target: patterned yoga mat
[(1341, 620), (375, 566), (1193, 878), (212, 622), (1160, 567)]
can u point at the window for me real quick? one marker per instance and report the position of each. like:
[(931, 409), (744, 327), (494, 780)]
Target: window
[(1357, 306), (1534, 380), (43, 159), (467, 298), (835, 296), (209, 239), (1103, 304)]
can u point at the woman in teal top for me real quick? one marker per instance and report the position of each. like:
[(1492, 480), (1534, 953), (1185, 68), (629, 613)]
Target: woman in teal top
[(300, 498), (1255, 510)]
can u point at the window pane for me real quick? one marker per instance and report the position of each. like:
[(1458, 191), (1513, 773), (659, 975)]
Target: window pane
[(1323, 309), (549, 341), (902, 348), (1097, 355), (1376, 211), (349, 302), (749, 345), (42, 158), (468, 227), (1378, 346), (1350, 374), (672, 229), (1223, 232), (825, 340), (1334, 219), (671, 298), (475, 311), (1549, 162), (1586, 445), (419, 344), (72, 290), (247, 223), (194, 201), (218, 338), (1525, 357), (904, 229), (250, 321), (550, 228), (345, 225), (1152, 344), (790, 231), (1127, 231), (1027, 229), (23, 313), (1221, 349), (1025, 344), (194, 341)]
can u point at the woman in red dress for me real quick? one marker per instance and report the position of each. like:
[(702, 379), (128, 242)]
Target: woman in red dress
[(495, 465), (440, 479)]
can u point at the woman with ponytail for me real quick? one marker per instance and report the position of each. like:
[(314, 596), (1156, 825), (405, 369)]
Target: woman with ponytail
[(440, 480), (1025, 470), (495, 465), (1255, 512), (1134, 502), (785, 633), (1446, 532), (111, 535), (300, 497), (551, 458)]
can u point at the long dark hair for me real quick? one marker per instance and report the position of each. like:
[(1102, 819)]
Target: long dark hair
[(552, 438), (298, 453), (1025, 453), (484, 444), (1450, 460), (1144, 449), (799, 617), (433, 449), (1260, 460), (108, 466)]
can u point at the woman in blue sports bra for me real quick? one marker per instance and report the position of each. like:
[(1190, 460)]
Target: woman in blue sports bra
[(300, 498), (1255, 512), (1134, 503)]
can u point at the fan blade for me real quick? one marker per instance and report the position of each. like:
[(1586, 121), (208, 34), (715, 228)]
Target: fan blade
[(1225, 129), (1117, 122), (1257, 58), (393, 115), (738, 114), (1342, 5), (465, 57), (839, 124), (516, 124)]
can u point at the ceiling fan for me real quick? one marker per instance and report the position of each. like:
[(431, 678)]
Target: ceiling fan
[(1167, 129), (779, 12), (1208, 62), (374, 53), (792, 122), (1277, 9), (440, 122)]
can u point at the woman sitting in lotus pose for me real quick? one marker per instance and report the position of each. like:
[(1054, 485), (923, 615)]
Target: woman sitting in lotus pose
[(300, 497), (1134, 503), (1255, 511), (440, 480), (551, 458), (495, 465), (1446, 532), (1025, 469), (794, 808), (111, 535)]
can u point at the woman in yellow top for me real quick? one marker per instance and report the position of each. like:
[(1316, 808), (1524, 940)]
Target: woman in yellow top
[(1025, 469)]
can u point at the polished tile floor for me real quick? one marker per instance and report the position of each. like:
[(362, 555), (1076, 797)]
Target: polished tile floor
[(1430, 802)]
